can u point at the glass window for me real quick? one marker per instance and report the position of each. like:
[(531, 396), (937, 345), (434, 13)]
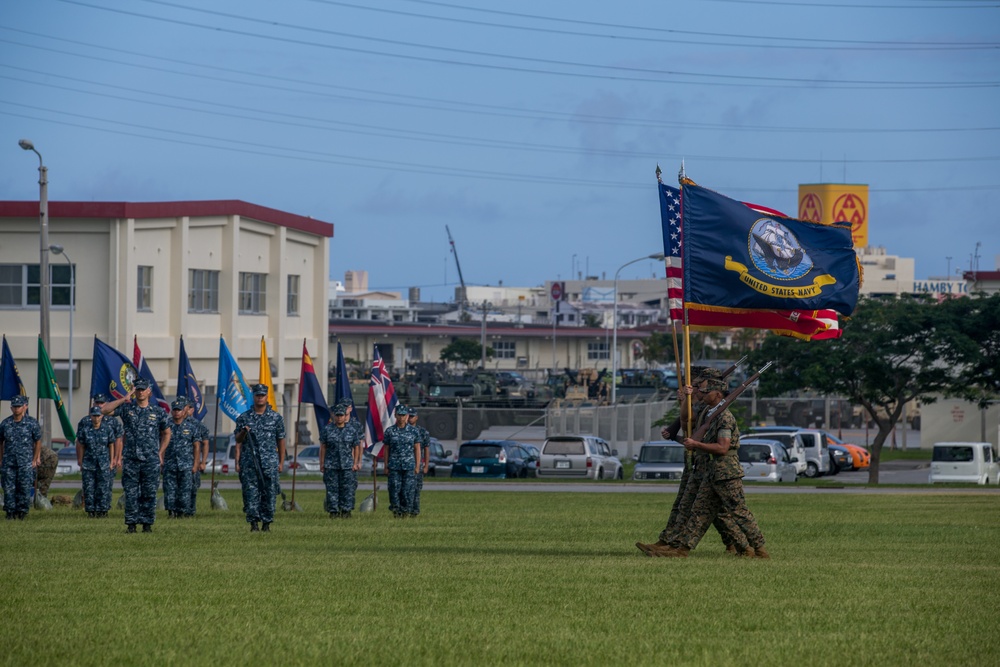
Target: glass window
[(597, 351), (20, 285), (293, 295), (571, 446), (11, 284), (203, 291), (952, 454), (253, 293), (505, 349), (144, 287)]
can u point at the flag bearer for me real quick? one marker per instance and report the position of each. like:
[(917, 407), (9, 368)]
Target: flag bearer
[(402, 462), (424, 438), (259, 458)]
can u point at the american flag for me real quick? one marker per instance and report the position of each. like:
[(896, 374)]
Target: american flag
[(139, 362), (806, 324), (381, 406)]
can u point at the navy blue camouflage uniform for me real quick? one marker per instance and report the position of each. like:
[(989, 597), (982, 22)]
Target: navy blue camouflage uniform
[(98, 444), (141, 459), (177, 463), (400, 462), (115, 425), (424, 438), (201, 435), (18, 439), (260, 484), (338, 466)]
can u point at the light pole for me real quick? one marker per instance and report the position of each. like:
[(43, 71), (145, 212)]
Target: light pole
[(482, 335), (614, 325), (43, 270), (59, 250)]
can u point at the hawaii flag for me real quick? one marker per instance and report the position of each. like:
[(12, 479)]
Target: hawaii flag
[(381, 406)]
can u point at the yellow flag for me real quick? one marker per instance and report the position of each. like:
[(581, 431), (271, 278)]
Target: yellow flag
[(265, 374)]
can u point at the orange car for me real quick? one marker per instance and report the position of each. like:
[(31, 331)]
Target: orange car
[(860, 457)]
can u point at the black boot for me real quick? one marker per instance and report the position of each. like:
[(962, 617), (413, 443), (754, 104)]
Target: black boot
[(131, 528), (21, 515), (266, 527), (147, 528), (90, 515), (253, 527), (345, 515), (10, 516)]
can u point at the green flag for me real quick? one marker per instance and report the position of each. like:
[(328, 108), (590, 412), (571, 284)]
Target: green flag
[(48, 388)]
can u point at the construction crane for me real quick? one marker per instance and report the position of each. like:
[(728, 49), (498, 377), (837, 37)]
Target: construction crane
[(454, 251)]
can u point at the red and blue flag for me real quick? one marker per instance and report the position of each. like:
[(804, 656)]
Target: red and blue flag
[(381, 406)]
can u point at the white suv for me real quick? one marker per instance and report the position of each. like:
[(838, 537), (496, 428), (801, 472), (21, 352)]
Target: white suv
[(583, 456)]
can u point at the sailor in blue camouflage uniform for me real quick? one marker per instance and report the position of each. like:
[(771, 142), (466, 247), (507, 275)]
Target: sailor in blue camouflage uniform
[(20, 454), (147, 431), (424, 438), (201, 437), (179, 459), (402, 462), (260, 455), (115, 425), (95, 451), (340, 456)]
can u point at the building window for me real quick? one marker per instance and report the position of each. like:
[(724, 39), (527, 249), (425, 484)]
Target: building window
[(253, 293), (20, 285), (597, 351), (144, 289), (414, 351), (505, 349), (293, 295), (203, 291)]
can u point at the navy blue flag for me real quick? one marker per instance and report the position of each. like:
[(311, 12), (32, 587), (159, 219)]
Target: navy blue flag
[(310, 391), (10, 379), (113, 372), (739, 258), (187, 384), (342, 391)]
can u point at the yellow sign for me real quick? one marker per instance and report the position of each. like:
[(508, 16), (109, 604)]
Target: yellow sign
[(836, 202)]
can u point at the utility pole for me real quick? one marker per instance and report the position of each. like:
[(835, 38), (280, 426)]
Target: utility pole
[(482, 336)]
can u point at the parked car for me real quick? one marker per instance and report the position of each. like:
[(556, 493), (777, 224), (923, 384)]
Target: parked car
[(504, 459), (584, 456), (807, 443), (537, 453), (974, 462), (766, 460), (659, 459), (67, 464), (861, 458), (308, 460), (440, 459), (840, 459)]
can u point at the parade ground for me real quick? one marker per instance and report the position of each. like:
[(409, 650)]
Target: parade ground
[(509, 578)]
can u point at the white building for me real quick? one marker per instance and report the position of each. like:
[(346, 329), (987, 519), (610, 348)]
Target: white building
[(162, 270)]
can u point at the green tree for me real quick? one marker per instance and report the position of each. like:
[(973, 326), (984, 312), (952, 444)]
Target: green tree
[(892, 351), (464, 351), (976, 346), (658, 348)]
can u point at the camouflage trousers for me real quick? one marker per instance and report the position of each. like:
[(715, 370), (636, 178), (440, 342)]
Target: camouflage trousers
[(680, 512), (722, 498), (195, 485), (139, 481), (260, 492), (341, 486), (46, 469), (17, 483), (418, 486), (177, 481), (96, 490), (401, 483)]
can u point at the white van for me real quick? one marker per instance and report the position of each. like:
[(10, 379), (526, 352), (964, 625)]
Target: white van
[(973, 462)]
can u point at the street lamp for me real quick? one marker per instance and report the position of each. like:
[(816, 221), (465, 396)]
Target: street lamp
[(59, 250), (614, 325), (43, 269)]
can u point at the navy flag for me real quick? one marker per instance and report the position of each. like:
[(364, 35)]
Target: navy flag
[(187, 384), (10, 379), (739, 258), (113, 372)]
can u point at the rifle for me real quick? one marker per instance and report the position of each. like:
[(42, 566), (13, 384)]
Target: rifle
[(251, 440), (717, 410), (675, 428)]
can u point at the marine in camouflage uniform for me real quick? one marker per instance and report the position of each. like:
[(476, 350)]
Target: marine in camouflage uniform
[(115, 424), (721, 491), (424, 438), (201, 440), (179, 458), (259, 458), (147, 431), (46, 470), (95, 443), (340, 455), (20, 453), (401, 462)]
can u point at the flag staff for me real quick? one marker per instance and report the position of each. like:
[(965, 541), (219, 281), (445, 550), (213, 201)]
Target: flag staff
[(298, 435), (673, 322), (215, 438), (681, 177)]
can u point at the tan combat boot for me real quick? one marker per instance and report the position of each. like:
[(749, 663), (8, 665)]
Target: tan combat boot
[(761, 552), (671, 552), (648, 548), (748, 553), (731, 549)]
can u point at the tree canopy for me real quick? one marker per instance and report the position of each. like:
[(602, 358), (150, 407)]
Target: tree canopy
[(465, 351)]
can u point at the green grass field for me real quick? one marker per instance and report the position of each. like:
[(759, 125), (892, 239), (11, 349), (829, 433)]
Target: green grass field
[(511, 578)]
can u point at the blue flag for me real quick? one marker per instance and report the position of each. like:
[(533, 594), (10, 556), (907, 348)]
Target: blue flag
[(739, 258), (10, 379), (231, 390), (187, 384), (342, 392), (113, 373), (310, 390)]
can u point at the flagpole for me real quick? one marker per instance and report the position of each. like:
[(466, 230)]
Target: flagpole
[(298, 436), (681, 177), (215, 437)]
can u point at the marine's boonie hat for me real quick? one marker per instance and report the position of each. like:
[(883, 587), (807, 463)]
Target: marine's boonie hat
[(18, 400), (710, 374), (716, 385), (95, 412), (100, 398), (260, 390), (140, 383)]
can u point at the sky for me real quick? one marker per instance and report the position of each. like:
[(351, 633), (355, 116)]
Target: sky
[(531, 130)]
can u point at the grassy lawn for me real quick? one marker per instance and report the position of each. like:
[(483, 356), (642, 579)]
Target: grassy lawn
[(512, 578)]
